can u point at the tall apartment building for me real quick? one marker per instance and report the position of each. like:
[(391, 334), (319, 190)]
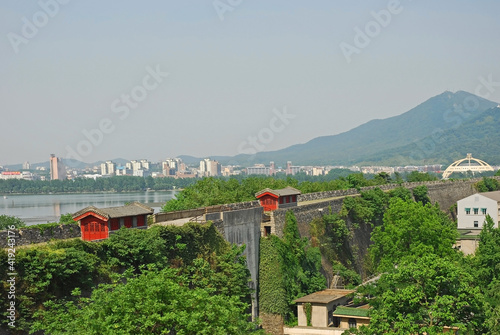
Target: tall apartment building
[(291, 170), (145, 165), (171, 166), (108, 168), (209, 167), (57, 168)]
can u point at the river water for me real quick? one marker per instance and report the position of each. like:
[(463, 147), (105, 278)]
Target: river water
[(43, 208)]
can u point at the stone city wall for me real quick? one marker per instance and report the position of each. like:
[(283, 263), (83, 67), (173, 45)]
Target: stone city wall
[(26, 236)]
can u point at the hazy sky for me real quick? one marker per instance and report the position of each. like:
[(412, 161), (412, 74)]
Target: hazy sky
[(279, 72)]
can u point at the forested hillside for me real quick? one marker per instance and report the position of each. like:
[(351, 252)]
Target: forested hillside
[(440, 113), (479, 136)]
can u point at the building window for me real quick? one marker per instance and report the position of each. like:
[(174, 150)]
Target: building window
[(267, 230), (352, 323), (294, 198), (476, 224), (336, 321), (483, 211), (288, 199), (281, 200), (467, 211), (476, 210)]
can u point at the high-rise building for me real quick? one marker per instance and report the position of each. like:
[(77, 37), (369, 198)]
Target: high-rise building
[(26, 165), (145, 165), (272, 169), (57, 168), (108, 168), (291, 170), (209, 167), (215, 168)]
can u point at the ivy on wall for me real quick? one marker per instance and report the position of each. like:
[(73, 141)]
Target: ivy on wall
[(289, 268)]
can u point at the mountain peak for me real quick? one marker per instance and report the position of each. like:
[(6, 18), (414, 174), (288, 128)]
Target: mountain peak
[(439, 113)]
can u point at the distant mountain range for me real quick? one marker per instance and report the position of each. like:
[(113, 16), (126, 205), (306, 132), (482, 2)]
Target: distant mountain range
[(440, 130)]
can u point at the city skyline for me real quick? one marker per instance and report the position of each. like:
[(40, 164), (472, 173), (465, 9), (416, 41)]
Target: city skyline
[(169, 79)]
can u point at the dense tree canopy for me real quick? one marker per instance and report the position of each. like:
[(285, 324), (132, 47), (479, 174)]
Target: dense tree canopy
[(187, 280), (410, 228), (105, 184), (423, 295), (216, 191)]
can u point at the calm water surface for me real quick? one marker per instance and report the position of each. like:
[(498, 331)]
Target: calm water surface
[(42, 208)]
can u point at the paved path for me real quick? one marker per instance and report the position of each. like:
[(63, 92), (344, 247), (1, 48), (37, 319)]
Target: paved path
[(178, 222), (309, 202)]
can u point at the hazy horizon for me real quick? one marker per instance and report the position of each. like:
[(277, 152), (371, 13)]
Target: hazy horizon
[(89, 80)]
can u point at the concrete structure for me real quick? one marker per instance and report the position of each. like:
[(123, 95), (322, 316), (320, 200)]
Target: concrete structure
[(323, 303), (472, 210), (351, 317), (243, 227), (471, 164), (57, 168), (108, 168), (210, 168), (171, 166), (98, 223), (26, 165), (468, 242), (271, 200), (291, 170), (261, 169), (123, 171), (143, 164), (5, 175), (141, 173)]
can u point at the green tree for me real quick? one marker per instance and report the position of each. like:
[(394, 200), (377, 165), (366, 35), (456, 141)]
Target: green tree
[(487, 257), (487, 185), (416, 176), (402, 193), (409, 229), (383, 178), (6, 222), (153, 303), (492, 308), (487, 271), (420, 194), (423, 295)]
